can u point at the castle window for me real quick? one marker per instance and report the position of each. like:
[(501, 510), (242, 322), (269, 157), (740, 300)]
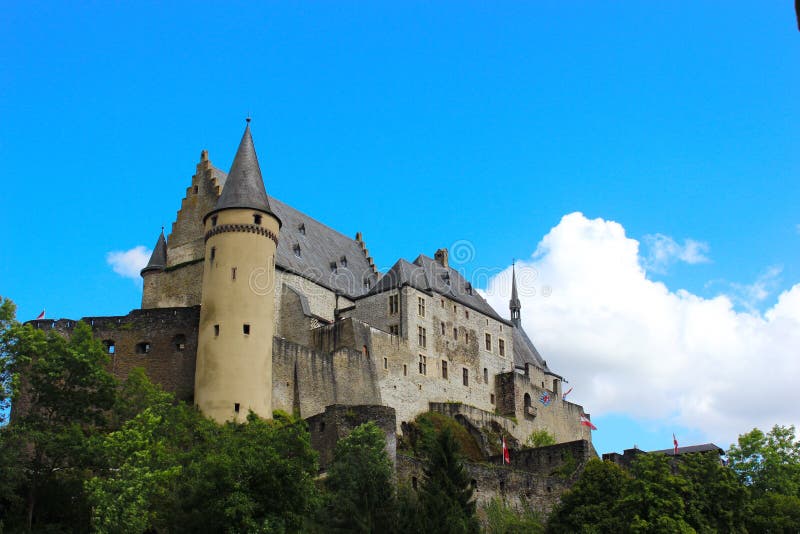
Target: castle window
[(489, 342), (501, 345), (469, 288), (466, 336), (414, 482), (322, 426), (257, 219), (213, 220), (394, 303), (527, 403), (421, 306), (365, 351), (386, 363), (455, 333), (405, 370), (455, 310), (213, 253), (366, 283), (423, 364), (233, 273), (343, 261), (143, 348), (423, 336), (216, 330), (466, 314), (246, 329), (443, 328), (485, 375), (444, 369), (442, 303), (110, 346), (465, 376), (491, 398), (333, 266), (394, 329), (179, 342), (297, 250), (195, 190), (302, 229), (487, 322), (236, 407)]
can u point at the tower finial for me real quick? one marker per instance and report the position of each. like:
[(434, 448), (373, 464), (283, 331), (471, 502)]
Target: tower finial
[(248, 119), (514, 304)]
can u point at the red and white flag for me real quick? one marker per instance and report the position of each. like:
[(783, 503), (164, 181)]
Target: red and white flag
[(564, 396), (585, 422), (506, 457), (675, 442), (40, 316)]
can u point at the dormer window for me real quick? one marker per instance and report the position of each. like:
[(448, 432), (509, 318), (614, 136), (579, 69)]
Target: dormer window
[(297, 250), (343, 261), (302, 229), (213, 220), (469, 288), (333, 266), (257, 219), (366, 283)]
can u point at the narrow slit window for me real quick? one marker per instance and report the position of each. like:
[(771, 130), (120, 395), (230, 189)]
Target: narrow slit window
[(444, 370), (257, 219), (233, 273), (465, 376), (246, 329), (216, 330), (213, 220), (485, 375), (213, 253), (386, 363), (236, 407)]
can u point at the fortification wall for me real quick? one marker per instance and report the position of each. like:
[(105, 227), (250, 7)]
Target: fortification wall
[(174, 287), (327, 428), (162, 341), (305, 381)]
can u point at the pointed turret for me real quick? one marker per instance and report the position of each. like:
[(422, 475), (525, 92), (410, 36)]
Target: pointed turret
[(244, 187), (158, 259), (514, 304)]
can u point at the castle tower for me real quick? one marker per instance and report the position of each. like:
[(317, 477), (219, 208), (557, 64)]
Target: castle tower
[(151, 274), (234, 353), (514, 304)]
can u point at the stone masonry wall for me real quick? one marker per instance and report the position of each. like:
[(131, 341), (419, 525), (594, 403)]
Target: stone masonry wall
[(170, 332)]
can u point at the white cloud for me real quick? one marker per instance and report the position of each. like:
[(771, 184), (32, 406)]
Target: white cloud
[(128, 263), (663, 251), (631, 345)]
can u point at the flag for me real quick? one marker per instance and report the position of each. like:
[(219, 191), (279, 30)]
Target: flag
[(40, 316), (585, 422), (675, 442), (564, 396), (506, 456)]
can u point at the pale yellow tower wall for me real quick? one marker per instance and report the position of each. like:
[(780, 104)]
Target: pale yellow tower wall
[(235, 367)]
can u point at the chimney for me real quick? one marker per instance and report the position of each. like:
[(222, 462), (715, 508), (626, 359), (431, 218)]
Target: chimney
[(441, 257)]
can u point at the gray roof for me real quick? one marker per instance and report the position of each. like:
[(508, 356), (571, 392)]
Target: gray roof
[(427, 274), (514, 303), (317, 252), (525, 352), (244, 186), (158, 259), (705, 447)]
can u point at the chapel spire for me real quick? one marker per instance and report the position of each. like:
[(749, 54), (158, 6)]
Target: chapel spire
[(244, 187), (158, 259), (514, 304)]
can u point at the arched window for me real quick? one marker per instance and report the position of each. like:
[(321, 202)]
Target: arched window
[(110, 346), (365, 351), (179, 342), (527, 403), (143, 347)]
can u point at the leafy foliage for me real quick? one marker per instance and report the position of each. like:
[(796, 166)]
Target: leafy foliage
[(360, 489), (540, 438), (446, 493), (502, 519)]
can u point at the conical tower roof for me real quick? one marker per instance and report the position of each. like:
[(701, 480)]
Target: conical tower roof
[(244, 187), (158, 259)]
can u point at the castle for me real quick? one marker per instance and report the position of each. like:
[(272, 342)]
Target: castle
[(250, 304)]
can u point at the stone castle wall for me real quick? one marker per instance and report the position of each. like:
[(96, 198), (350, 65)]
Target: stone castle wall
[(168, 335)]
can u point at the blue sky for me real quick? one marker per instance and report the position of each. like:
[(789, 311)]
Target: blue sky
[(428, 124)]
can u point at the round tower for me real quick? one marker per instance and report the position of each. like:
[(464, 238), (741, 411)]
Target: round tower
[(234, 352)]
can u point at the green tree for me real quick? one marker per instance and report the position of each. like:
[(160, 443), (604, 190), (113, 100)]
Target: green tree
[(715, 500), (253, 477), (446, 493), (503, 519), (590, 506), (360, 488), (61, 404), (540, 438), (768, 462)]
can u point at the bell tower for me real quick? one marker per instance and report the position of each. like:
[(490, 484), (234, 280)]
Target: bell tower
[(234, 353)]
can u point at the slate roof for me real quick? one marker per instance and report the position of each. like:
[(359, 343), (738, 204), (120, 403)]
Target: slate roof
[(158, 259), (705, 447), (525, 352), (427, 274), (244, 186)]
